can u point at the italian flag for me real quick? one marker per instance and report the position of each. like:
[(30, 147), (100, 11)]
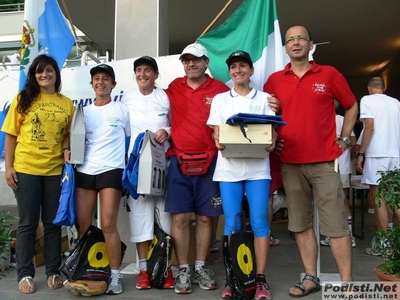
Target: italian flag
[(254, 28)]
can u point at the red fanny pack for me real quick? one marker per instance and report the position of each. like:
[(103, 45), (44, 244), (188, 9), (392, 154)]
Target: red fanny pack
[(195, 163)]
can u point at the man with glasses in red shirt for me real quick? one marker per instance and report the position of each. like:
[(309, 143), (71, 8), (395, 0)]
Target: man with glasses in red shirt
[(190, 187), (306, 92)]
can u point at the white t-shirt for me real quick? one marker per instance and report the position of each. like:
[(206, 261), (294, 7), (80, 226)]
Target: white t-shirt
[(106, 128), (147, 112), (344, 160), (225, 105), (385, 111)]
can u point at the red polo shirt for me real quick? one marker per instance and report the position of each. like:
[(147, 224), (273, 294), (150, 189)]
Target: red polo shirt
[(307, 107), (189, 113)]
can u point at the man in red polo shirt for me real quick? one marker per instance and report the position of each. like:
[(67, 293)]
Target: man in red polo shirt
[(192, 162), (190, 185), (306, 92)]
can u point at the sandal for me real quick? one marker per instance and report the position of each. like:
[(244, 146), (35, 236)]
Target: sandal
[(54, 282), (26, 285), (302, 288)]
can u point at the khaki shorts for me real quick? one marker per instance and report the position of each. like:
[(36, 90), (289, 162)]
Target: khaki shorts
[(319, 181)]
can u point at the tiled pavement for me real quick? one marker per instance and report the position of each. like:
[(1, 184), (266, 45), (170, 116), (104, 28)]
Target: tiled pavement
[(283, 271)]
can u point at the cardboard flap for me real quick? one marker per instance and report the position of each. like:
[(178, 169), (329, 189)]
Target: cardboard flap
[(77, 136), (152, 167)]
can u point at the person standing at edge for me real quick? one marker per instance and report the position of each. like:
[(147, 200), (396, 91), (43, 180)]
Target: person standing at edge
[(37, 135), (380, 147), (107, 124), (306, 92), (149, 109)]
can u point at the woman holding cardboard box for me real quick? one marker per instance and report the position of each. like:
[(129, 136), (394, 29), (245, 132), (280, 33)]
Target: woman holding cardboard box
[(149, 109), (107, 124), (239, 175), (37, 127)]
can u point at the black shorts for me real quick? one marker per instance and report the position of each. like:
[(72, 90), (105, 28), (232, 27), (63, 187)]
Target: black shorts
[(109, 179)]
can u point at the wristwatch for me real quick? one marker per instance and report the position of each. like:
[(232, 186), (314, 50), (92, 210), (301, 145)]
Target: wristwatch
[(345, 140), (360, 154)]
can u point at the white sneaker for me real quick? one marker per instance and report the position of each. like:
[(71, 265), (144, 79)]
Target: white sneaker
[(353, 242), (372, 251), (273, 241), (204, 278), (182, 282), (326, 241), (116, 285)]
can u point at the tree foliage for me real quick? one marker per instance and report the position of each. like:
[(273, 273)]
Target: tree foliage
[(10, 5), (11, 1)]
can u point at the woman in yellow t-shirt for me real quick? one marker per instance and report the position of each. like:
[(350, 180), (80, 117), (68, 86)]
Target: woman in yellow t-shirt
[(37, 133)]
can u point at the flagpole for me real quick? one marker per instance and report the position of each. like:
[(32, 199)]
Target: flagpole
[(72, 24), (216, 18)]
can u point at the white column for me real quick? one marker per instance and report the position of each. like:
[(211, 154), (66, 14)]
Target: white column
[(141, 28)]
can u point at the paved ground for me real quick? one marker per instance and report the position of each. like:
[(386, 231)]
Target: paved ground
[(284, 268)]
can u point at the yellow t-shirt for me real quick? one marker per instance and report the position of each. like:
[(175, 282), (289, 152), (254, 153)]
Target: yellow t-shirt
[(40, 134)]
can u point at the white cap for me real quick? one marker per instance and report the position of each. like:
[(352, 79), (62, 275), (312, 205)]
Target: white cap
[(195, 49)]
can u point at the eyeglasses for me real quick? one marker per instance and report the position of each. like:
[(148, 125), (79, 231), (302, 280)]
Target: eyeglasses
[(195, 60), (301, 38)]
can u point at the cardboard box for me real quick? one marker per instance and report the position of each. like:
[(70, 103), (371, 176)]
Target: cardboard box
[(236, 145), (152, 167), (355, 181), (77, 136), (64, 239), (38, 259)]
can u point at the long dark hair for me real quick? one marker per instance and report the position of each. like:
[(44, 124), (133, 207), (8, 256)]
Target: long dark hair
[(31, 89)]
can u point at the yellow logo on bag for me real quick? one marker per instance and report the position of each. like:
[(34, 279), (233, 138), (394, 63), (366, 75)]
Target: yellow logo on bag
[(151, 247), (245, 259), (97, 255)]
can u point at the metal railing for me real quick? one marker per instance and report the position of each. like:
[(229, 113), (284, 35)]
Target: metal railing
[(10, 66), (12, 7)]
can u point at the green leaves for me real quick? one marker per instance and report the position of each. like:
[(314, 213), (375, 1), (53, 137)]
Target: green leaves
[(5, 235), (389, 188), (389, 192)]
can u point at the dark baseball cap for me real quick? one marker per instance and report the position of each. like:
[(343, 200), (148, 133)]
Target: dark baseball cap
[(239, 54), (145, 59), (103, 68)]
